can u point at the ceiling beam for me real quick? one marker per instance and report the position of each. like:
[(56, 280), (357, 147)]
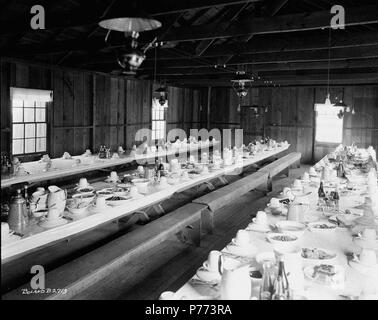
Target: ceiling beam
[(295, 66), (90, 15), (278, 57), (278, 24)]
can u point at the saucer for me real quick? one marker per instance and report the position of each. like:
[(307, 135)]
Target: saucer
[(258, 227), (247, 251), (208, 276), (96, 209), (49, 224), (77, 216)]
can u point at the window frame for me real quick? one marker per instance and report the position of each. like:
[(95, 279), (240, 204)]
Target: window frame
[(155, 133), (326, 143), (30, 155)]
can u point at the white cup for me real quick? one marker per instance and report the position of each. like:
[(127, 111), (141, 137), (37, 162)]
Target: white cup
[(88, 152), (192, 159), (261, 218), (213, 260), (242, 238), (140, 170), (205, 170), (134, 191), (168, 295), (100, 202), (83, 183), (306, 176), (275, 203), (368, 257), (113, 176), (297, 184), (163, 181), (185, 175)]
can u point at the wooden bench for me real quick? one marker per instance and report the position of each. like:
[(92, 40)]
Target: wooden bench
[(87, 270), (284, 164), (223, 196)]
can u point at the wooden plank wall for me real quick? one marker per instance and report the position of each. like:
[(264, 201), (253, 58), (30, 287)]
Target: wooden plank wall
[(291, 115), (90, 109)]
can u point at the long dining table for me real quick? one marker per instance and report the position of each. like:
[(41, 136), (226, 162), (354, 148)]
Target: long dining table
[(341, 241), (39, 237)]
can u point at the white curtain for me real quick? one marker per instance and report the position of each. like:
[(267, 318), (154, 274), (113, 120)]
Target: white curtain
[(31, 94)]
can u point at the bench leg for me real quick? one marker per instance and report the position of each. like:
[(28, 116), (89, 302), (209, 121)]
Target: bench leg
[(207, 221), (191, 234)]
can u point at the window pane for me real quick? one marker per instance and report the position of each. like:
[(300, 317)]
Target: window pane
[(329, 128), (41, 130), (18, 146), (40, 115), (29, 130), (29, 145), (17, 103), (18, 131), (41, 144), (40, 104), (18, 114), (29, 104), (29, 115)]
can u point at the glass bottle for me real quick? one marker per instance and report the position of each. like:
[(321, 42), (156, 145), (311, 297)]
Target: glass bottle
[(266, 289), (336, 198), (321, 192), (281, 284)]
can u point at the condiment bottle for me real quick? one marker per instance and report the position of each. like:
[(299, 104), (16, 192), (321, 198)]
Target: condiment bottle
[(281, 284), (267, 288)]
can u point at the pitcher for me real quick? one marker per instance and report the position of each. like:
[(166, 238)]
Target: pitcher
[(56, 199), (236, 284)]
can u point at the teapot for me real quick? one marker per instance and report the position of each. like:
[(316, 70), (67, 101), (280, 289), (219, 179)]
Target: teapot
[(18, 215), (236, 284)]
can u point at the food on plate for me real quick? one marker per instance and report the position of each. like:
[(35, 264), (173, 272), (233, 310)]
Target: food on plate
[(324, 272), (323, 226), (116, 198), (316, 254), (283, 238)]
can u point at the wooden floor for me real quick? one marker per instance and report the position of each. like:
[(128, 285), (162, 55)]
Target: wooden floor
[(172, 263)]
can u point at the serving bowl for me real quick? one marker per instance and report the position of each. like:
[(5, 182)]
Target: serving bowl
[(322, 227), (282, 242), (85, 198)]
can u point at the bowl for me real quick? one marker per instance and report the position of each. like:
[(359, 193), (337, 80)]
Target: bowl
[(115, 201), (40, 213), (85, 198), (141, 184), (87, 189), (79, 209), (291, 227), (282, 242)]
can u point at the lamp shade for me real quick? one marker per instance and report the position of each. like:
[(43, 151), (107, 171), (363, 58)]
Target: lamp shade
[(340, 104), (241, 77), (127, 19)]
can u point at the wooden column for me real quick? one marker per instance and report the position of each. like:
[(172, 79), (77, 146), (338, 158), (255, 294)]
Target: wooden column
[(208, 107)]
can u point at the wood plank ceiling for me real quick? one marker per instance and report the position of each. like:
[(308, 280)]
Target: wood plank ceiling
[(280, 42)]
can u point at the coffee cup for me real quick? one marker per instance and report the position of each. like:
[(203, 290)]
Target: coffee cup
[(100, 202), (274, 203), (192, 159), (368, 257), (212, 263), (185, 175), (113, 176), (83, 183), (261, 218), (163, 181), (140, 170), (297, 184), (242, 238), (88, 152), (306, 176), (134, 190), (205, 170), (312, 171)]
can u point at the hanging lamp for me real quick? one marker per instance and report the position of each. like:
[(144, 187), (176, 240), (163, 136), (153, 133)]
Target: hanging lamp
[(127, 19)]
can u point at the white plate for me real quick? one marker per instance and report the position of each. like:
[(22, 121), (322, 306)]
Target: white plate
[(340, 272), (49, 224), (325, 261), (328, 230), (258, 227), (117, 203)]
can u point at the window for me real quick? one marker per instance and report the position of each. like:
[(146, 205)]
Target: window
[(158, 121), (329, 127), (29, 125)]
